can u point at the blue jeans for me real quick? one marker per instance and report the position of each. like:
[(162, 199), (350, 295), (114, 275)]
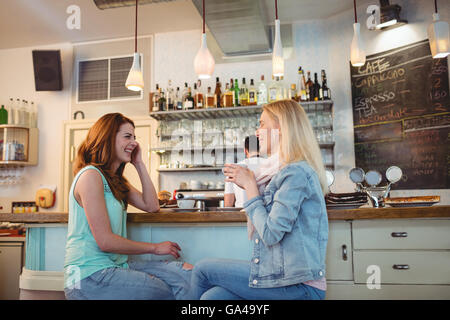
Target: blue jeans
[(144, 280), (225, 279)]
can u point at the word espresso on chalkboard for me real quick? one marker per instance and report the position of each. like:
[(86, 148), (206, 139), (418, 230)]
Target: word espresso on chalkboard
[(401, 114)]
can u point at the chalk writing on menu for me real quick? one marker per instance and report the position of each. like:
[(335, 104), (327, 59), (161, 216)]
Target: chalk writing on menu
[(401, 115)]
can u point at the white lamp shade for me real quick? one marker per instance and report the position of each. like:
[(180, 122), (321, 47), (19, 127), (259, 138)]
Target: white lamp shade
[(204, 61), (357, 53), (135, 80), (277, 55), (438, 35)]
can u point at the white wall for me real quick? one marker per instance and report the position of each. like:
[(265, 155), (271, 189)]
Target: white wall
[(17, 81)]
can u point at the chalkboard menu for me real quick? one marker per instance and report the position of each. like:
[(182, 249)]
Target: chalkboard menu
[(401, 115)]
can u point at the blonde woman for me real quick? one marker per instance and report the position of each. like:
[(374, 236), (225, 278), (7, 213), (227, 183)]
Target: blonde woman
[(289, 218)]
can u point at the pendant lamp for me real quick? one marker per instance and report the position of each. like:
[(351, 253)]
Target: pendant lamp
[(135, 80), (357, 53), (204, 61), (438, 35), (277, 55)]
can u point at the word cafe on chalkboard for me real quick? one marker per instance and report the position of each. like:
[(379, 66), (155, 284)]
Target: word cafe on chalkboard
[(401, 115)]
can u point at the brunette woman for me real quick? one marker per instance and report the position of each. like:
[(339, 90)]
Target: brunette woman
[(96, 262)]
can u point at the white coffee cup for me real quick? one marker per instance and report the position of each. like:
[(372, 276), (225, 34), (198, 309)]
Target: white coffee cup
[(186, 203), (194, 184)]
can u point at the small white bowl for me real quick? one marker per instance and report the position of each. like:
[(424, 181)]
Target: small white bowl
[(185, 204)]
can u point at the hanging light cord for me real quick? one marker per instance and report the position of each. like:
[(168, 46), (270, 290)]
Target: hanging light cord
[(354, 8), (203, 16), (276, 9), (435, 6), (135, 29)]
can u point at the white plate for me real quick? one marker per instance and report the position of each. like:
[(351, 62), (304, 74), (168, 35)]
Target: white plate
[(223, 209), (344, 205), (184, 210), (412, 204)]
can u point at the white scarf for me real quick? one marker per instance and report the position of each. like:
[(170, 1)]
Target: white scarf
[(263, 175)]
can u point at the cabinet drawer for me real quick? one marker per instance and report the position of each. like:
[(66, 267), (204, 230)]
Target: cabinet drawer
[(404, 267), (339, 258), (401, 234)]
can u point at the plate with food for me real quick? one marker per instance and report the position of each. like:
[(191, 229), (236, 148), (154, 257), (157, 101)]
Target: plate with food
[(420, 201)]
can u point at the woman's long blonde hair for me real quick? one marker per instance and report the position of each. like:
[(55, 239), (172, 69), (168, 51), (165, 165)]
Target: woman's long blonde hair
[(298, 141)]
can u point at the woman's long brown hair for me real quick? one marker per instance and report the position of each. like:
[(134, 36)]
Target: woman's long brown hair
[(98, 149)]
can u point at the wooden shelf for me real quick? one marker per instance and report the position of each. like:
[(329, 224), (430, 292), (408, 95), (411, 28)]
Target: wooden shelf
[(214, 113), (190, 169), (328, 145)]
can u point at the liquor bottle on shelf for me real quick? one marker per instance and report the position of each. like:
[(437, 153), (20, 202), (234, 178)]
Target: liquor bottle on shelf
[(170, 96), (189, 102), (236, 93), (243, 94), (231, 87), (262, 92), (228, 96), (199, 97), (18, 113), (273, 90), (3, 116), (33, 115), (22, 112), (194, 95), (309, 88), (284, 89), (11, 110), (301, 85), (209, 99), (252, 94), (178, 101), (326, 94), (184, 93), (293, 92), (156, 99), (217, 93), (279, 90), (162, 102), (316, 88)]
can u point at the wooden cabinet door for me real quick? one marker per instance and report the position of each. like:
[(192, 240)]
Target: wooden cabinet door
[(339, 251), (10, 268)]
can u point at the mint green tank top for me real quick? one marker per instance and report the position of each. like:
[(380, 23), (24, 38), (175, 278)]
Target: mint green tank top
[(83, 256)]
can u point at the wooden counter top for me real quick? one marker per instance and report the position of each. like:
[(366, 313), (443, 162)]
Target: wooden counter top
[(166, 216)]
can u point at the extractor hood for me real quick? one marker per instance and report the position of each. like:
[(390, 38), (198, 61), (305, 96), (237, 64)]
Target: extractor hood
[(241, 28), (237, 26)]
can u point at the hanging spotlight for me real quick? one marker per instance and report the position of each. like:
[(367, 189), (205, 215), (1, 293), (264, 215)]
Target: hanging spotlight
[(135, 80), (277, 55), (357, 53), (390, 16), (438, 35), (204, 61)]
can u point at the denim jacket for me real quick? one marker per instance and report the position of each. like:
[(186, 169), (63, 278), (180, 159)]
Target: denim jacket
[(291, 223)]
